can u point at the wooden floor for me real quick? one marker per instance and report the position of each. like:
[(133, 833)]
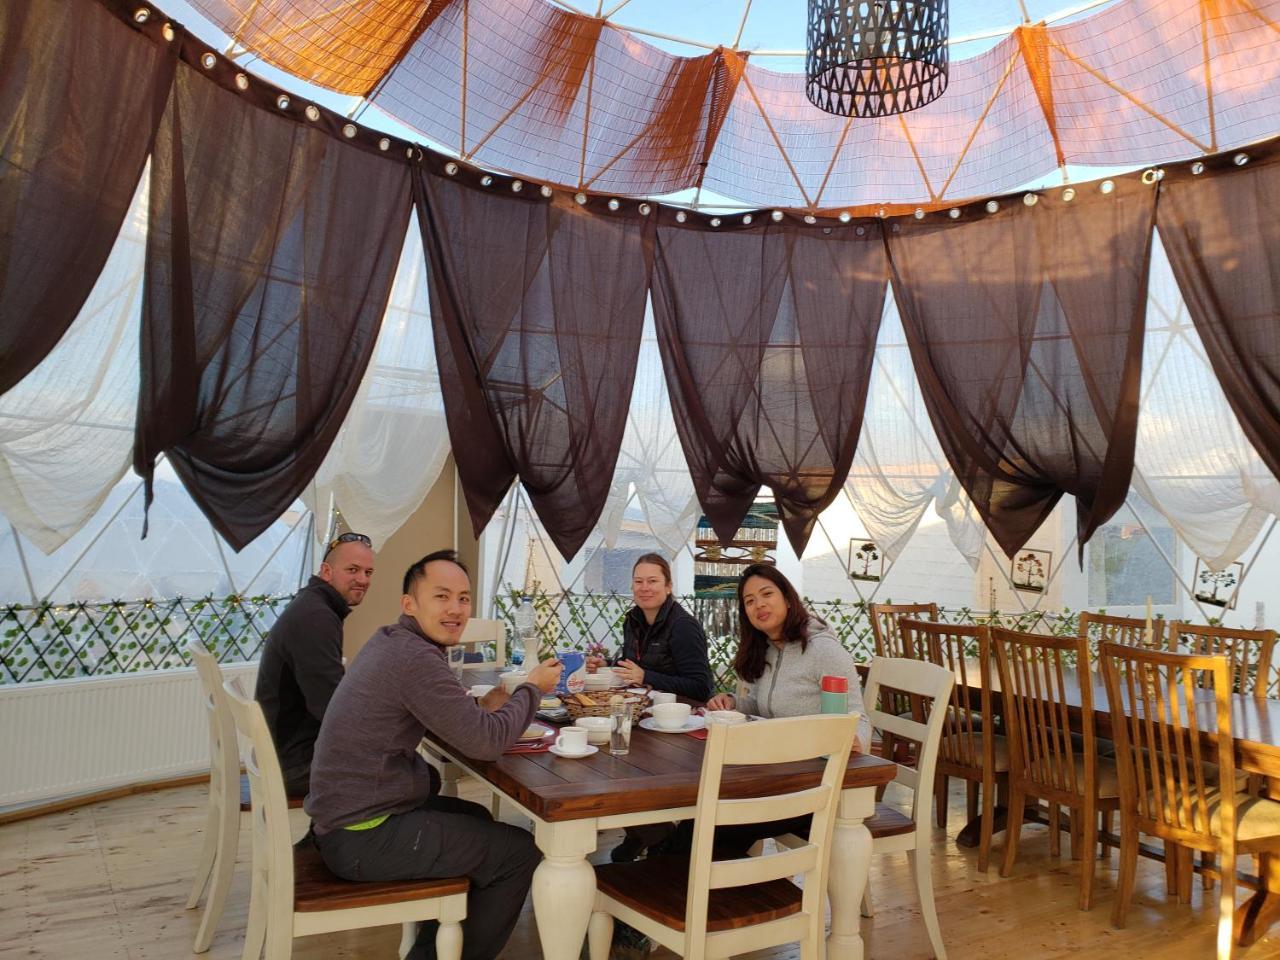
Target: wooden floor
[(110, 880)]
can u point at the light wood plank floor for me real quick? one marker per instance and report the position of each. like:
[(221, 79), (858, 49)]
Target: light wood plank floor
[(110, 880)]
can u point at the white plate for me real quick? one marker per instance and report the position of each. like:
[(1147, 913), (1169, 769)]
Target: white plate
[(693, 723), (573, 756)]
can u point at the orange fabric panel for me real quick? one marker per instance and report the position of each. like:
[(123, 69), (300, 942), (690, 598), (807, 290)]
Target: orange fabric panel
[(345, 45)]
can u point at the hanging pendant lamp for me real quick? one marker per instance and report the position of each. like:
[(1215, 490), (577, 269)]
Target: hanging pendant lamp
[(874, 58)]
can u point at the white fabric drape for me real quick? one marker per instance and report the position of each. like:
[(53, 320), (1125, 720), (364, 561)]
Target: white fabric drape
[(66, 430), (393, 442), (899, 468), (651, 461), (1193, 463)]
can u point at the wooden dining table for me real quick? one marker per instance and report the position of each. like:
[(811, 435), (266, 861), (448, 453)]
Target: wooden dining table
[(1255, 737), (570, 801)]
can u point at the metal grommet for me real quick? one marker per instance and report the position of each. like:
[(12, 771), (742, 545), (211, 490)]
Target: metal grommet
[(349, 130), (777, 216), (545, 191), (208, 60), (954, 213), (746, 219), (451, 168), (1030, 199), (614, 204), (992, 206), (242, 81), (282, 101), (517, 186), (1069, 194), (312, 112), (141, 15), (681, 216), (1107, 186), (644, 209), (384, 144)]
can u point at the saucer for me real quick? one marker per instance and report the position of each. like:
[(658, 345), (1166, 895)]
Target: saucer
[(573, 756), (693, 723)]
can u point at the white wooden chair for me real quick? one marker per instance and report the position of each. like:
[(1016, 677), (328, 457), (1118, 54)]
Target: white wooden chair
[(292, 893), (217, 863), (891, 831), (702, 908), (478, 633)]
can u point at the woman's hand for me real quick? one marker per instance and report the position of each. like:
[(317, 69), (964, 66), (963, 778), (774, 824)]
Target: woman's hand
[(721, 701), (594, 663), (630, 671)]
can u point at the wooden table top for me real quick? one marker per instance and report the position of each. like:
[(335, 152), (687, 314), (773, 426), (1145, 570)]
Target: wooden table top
[(661, 772)]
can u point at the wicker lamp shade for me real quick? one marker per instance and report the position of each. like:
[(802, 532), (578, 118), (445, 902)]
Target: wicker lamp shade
[(873, 58)]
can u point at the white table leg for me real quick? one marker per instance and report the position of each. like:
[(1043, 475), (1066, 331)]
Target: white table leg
[(564, 886), (850, 862)]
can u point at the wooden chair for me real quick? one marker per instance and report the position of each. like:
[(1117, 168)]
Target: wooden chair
[(228, 798), (479, 633), (884, 626), (1043, 760), (292, 893), (891, 831), (1248, 653), (969, 748), (1170, 778), (699, 907), (217, 862), (1100, 628)]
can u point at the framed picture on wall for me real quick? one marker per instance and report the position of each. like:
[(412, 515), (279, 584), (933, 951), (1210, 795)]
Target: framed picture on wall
[(866, 560), (1029, 570), (1218, 588)]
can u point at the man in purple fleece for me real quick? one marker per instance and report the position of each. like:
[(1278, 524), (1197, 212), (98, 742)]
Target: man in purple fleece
[(375, 804)]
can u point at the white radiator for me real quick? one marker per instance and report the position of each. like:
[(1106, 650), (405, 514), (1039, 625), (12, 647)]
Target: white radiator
[(64, 737)]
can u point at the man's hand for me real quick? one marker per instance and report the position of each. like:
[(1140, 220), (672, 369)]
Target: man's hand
[(721, 701), (546, 675), (630, 671), (495, 698)]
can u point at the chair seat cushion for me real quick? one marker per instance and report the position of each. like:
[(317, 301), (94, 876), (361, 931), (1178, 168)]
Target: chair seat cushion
[(1000, 748), (315, 889), (888, 822), (1257, 818), (658, 888)]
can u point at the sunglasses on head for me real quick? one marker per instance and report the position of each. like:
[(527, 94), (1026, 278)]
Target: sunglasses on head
[(350, 538)]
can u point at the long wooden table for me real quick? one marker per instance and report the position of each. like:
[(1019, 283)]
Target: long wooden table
[(571, 801), (1255, 737)]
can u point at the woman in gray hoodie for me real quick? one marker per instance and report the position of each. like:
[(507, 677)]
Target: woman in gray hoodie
[(784, 651)]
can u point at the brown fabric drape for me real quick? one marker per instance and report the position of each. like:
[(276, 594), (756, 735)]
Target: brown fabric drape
[(538, 307), (271, 249), (80, 96), (767, 334), (1025, 329), (1223, 240)]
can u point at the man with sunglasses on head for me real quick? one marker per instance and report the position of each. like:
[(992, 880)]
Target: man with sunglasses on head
[(302, 661)]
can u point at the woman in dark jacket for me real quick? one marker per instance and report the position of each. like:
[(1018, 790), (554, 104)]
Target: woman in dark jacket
[(663, 646)]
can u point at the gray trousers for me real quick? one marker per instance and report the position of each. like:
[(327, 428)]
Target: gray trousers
[(445, 837)]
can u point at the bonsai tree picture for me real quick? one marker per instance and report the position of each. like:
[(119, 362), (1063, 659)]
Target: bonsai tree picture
[(865, 560), (1217, 587), (1030, 569)]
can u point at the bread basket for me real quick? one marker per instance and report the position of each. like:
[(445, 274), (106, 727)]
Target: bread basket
[(596, 704)]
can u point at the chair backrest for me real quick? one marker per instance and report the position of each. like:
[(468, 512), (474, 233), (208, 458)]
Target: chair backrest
[(754, 744), (930, 686), (1100, 628), (965, 650), (224, 751), (1248, 652), (884, 626), (478, 633), (272, 847), (1038, 676), (1159, 710)]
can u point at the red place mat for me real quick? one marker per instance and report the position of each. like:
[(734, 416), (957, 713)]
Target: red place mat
[(541, 745)]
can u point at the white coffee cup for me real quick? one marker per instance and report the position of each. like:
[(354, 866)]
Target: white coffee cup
[(572, 740), (599, 681), (670, 716), (598, 728), (662, 696), (512, 679)]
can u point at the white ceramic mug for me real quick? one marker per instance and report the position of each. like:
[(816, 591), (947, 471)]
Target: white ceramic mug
[(662, 696), (572, 740), (670, 716), (598, 728), (513, 679)]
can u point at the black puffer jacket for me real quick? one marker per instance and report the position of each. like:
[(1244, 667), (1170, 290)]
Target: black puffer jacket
[(672, 650)]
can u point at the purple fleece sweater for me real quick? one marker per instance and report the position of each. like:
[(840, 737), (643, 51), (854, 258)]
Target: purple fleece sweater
[(399, 686)]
